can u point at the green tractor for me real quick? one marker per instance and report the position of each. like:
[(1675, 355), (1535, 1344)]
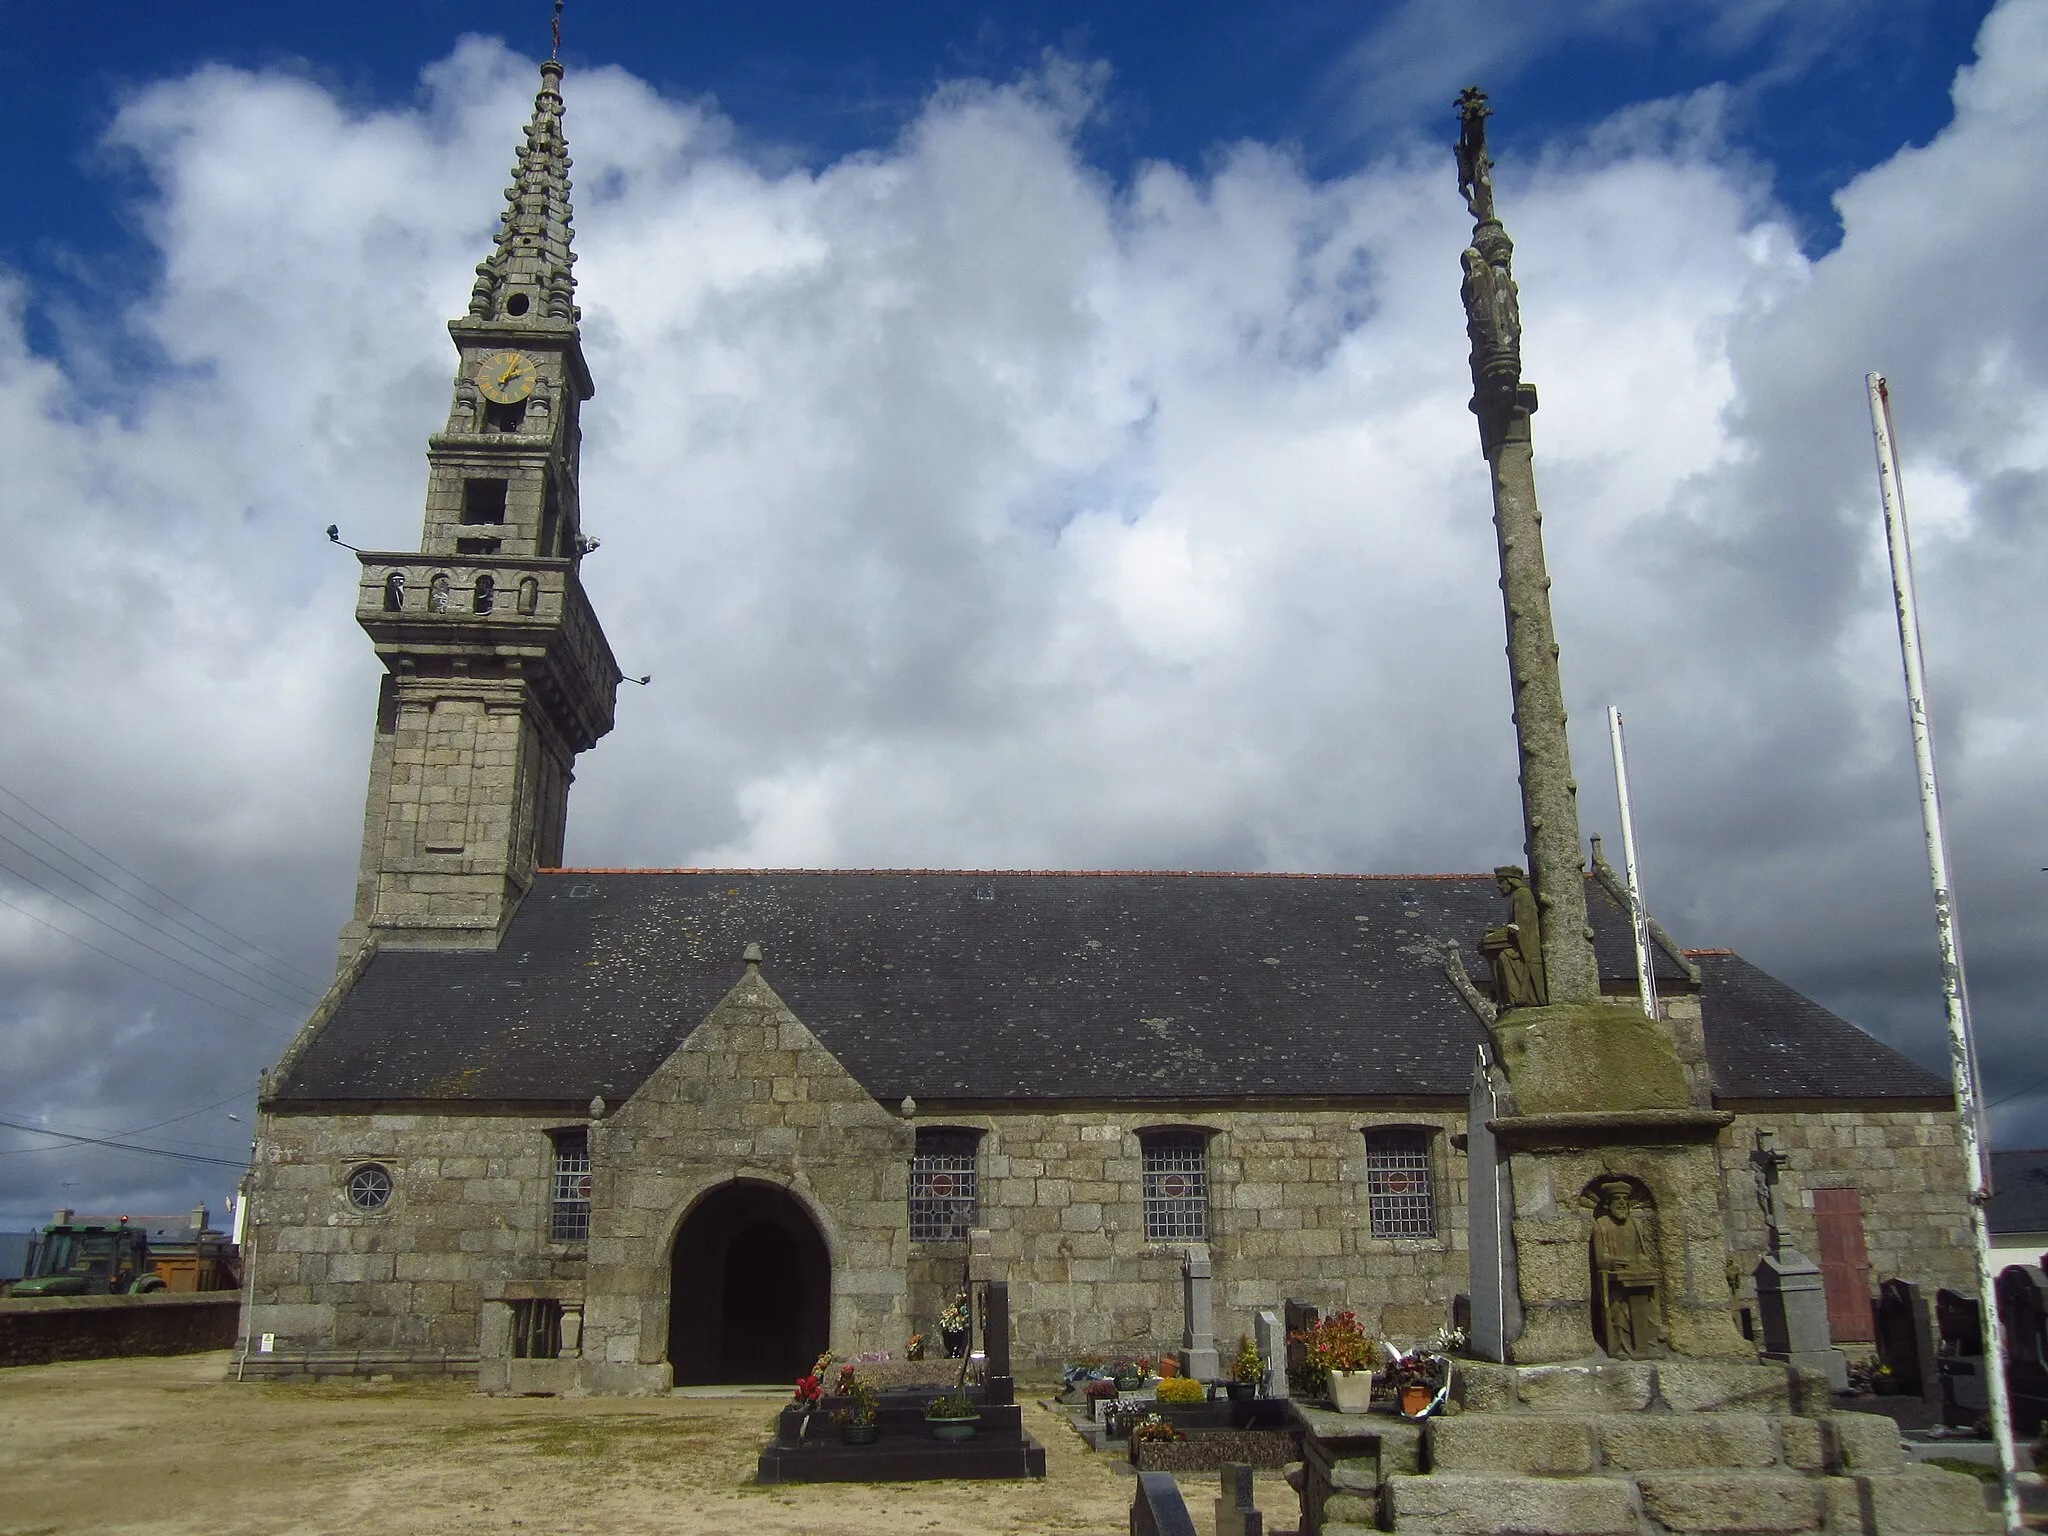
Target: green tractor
[(89, 1259)]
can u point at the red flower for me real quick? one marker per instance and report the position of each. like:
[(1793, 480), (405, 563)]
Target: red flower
[(809, 1390)]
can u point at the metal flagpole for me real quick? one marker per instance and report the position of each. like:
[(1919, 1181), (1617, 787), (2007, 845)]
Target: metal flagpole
[(1962, 1050), (1639, 915)]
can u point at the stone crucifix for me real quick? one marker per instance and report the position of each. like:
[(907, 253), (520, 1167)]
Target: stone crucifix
[(1503, 404)]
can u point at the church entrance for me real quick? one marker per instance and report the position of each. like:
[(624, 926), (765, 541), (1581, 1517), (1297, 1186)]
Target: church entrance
[(750, 1289)]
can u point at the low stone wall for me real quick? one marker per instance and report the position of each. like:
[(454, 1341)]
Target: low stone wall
[(44, 1330)]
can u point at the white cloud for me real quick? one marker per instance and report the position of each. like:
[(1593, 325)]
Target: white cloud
[(971, 510)]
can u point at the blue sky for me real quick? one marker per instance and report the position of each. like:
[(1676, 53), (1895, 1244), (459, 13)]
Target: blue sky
[(1028, 438), (1817, 92)]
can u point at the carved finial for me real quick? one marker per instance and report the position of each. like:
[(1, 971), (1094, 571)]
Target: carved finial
[(1475, 170), (908, 1107), (752, 953), (1493, 311), (597, 1107)]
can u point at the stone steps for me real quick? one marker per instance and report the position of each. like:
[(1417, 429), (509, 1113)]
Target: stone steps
[(1909, 1501), (1675, 1448)]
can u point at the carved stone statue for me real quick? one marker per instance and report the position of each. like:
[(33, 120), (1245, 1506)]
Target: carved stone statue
[(1624, 1277), (1515, 950)]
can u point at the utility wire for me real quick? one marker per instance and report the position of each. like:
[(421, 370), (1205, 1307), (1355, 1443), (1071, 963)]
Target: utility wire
[(261, 1002), (150, 916), (51, 821), (122, 1146), (248, 1018), (137, 1130)]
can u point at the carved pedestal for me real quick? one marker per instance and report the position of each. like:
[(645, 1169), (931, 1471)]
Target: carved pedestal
[(1603, 1118)]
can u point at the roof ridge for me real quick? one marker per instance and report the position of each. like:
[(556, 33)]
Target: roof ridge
[(1192, 874)]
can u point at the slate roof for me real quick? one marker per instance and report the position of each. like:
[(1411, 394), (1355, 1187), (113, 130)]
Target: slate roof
[(2019, 1192), (964, 985), (1766, 1041)]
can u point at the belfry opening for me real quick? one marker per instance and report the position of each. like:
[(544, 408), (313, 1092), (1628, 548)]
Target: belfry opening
[(750, 1288)]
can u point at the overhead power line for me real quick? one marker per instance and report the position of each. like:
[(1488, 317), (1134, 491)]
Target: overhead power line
[(278, 995), (148, 914), (318, 983), (214, 1003), (183, 965), (137, 1130), (123, 1146)]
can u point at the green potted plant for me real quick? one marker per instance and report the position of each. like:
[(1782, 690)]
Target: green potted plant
[(952, 1416), (1130, 1374), (857, 1414), (1336, 1362), (1247, 1370)]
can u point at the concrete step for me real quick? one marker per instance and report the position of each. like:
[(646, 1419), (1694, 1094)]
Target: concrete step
[(1563, 1444), (1484, 1504)]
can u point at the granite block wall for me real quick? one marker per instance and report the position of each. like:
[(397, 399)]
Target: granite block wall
[(1062, 1197)]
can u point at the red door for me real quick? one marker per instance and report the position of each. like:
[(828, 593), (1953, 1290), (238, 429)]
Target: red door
[(1844, 1265)]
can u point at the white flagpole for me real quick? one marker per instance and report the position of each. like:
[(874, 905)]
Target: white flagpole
[(1639, 914), (1962, 1050)]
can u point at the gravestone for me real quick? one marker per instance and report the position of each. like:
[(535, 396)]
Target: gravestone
[(1198, 1360), (1791, 1293), (1236, 1515), (1300, 1316), (1270, 1339), (1792, 1309), (1905, 1339), (1495, 1290), (1960, 1324), (999, 1389)]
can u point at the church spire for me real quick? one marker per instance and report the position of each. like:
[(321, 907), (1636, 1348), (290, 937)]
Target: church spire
[(528, 278), (497, 671)]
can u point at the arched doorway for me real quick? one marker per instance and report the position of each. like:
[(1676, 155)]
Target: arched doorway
[(750, 1288)]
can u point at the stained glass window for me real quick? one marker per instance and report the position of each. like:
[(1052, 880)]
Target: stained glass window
[(1176, 1187), (1397, 1184)]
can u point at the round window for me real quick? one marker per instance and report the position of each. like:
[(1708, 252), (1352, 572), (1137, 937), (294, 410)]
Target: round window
[(369, 1188)]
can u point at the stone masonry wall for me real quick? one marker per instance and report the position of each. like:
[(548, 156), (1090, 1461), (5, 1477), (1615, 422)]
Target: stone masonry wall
[(1062, 1197), (467, 1218), (1907, 1165)]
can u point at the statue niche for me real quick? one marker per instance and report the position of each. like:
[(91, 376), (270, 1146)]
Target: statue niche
[(1627, 1303), (1515, 950)]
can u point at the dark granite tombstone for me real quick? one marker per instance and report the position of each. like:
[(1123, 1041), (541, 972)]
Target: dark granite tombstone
[(1964, 1398), (1905, 1339), (2023, 1309)]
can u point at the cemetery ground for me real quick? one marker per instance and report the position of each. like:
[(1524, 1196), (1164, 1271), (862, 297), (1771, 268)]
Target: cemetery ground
[(171, 1445)]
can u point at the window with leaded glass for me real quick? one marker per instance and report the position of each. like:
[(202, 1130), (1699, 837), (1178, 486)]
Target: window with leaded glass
[(569, 1209), (942, 1185), (1397, 1186), (1176, 1187)]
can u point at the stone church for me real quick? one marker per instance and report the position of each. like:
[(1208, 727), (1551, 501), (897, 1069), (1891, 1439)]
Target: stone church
[(615, 1130)]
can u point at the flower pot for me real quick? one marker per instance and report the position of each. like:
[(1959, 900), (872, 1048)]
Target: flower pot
[(859, 1434), (1130, 1381), (1351, 1391), (955, 1340), (954, 1429), (1414, 1399), (1241, 1391)]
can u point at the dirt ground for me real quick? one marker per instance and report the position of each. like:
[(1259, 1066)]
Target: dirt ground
[(171, 1445)]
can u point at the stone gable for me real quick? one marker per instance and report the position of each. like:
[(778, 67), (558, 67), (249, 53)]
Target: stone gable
[(752, 1096)]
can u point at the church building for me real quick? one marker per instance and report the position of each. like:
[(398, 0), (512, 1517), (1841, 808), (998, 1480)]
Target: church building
[(618, 1130)]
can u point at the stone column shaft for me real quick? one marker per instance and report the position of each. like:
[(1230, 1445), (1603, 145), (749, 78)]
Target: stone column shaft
[(1550, 811)]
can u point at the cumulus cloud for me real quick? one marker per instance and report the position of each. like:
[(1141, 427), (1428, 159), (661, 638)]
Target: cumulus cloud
[(972, 509)]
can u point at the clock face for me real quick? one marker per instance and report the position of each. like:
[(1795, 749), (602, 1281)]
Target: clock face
[(506, 377)]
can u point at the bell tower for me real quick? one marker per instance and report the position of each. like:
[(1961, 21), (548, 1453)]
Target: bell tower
[(497, 672)]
